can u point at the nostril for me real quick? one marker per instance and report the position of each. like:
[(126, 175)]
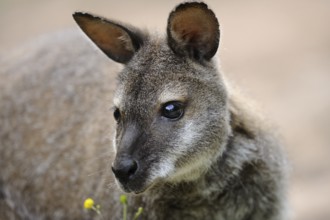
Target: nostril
[(125, 169), (133, 168)]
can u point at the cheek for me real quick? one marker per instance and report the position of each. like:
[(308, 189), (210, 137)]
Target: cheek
[(115, 141), (114, 145), (174, 147), (158, 155), (189, 135), (186, 139), (164, 168)]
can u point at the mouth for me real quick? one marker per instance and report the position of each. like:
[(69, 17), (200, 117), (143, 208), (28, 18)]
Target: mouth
[(134, 187)]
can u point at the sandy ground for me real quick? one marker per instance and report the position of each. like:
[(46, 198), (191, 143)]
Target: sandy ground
[(277, 52)]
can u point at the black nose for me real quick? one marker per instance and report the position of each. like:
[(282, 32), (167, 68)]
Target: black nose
[(124, 169)]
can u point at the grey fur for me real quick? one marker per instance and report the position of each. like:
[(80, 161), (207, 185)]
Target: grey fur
[(55, 147)]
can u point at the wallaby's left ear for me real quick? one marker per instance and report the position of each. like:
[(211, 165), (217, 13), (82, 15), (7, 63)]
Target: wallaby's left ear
[(193, 31), (117, 41)]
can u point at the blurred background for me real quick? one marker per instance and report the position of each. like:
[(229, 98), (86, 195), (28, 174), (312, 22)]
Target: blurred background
[(276, 52)]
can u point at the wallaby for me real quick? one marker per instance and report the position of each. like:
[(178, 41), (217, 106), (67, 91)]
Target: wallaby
[(185, 146)]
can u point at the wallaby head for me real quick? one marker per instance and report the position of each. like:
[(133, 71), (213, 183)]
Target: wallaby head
[(170, 103)]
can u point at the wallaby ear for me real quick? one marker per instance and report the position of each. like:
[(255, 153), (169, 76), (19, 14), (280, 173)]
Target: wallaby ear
[(193, 31), (116, 41)]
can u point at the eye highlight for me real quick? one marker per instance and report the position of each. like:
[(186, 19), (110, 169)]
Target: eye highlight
[(172, 110)]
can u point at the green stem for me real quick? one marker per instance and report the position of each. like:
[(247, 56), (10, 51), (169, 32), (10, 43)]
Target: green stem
[(124, 211), (138, 213), (96, 210)]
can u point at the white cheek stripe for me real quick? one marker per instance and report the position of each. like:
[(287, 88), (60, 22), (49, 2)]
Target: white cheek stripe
[(190, 133), (165, 168), (114, 145)]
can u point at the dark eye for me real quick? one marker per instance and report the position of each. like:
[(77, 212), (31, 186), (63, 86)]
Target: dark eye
[(173, 110), (116, 114)]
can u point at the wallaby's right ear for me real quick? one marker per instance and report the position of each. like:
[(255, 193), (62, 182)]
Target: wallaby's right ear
[(193, 31), (116, 41)]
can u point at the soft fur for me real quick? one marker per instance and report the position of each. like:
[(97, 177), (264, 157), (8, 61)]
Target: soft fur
[(219, 161)]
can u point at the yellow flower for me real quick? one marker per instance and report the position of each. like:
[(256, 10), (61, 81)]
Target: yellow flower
[(123, 199), (89, 203)]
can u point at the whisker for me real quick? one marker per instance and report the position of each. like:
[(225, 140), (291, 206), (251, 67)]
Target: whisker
[(98, 172)]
